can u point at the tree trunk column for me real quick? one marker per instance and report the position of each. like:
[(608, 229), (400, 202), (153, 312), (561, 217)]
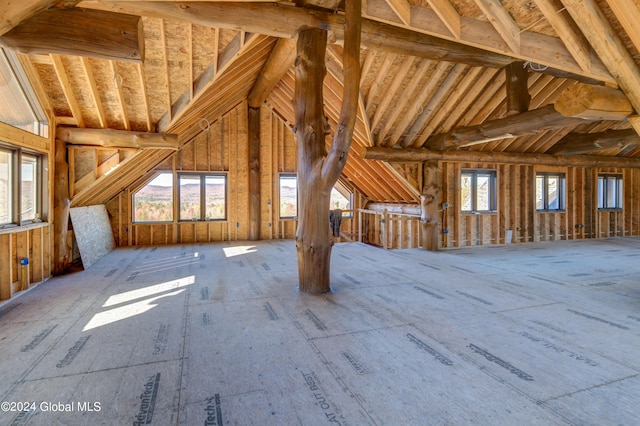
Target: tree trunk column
[(254, 174), (313, 242), (429, 206), (61, 205)]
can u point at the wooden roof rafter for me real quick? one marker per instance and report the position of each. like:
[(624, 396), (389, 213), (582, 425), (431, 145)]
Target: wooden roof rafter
[(67, 89)]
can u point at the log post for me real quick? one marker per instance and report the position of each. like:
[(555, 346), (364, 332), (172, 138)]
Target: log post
[(518, 97), (61, 205), (429, 206), (254, 174), (318, 170)]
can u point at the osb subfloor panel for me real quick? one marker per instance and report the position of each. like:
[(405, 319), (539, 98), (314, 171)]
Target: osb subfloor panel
[(543, 334)]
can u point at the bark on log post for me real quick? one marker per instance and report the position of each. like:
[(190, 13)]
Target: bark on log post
[(429, 206), (254, 173), (61, 205), (518, 97), (318, 170)]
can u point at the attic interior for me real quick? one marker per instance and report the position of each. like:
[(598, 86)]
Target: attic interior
[(162, 126)]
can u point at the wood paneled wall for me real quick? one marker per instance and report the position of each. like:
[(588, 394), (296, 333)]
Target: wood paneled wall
[(516, 207), (224, 148)]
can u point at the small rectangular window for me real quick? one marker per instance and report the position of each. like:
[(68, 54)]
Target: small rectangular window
[(154, 201), (288, 196), (609, 192), (29, 188), (478, 191), (5, 187), (550, 190)]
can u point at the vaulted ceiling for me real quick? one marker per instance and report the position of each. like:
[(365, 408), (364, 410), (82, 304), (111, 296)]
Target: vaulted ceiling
[(429, 67)]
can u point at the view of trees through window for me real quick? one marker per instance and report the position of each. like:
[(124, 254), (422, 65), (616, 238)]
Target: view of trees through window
[(202, 197), (154, 202), (550, 191), (477, 190), (288, 196), (29, 188)]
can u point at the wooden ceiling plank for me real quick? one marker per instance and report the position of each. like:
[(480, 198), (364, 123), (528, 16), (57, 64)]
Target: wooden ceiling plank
[(427, 90), (611, 50), (391, 91), (628, 13), (381, 74), (403, 100), (402, 8), (448, 15), (118, 83), (208, 77), (502, 22), (367, 64), (67, 89), (571, 37), (145, 97), (428, 112), (451, 103), (95, 95)]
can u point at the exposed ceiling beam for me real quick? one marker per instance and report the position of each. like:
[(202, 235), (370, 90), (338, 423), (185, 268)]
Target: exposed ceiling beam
[(570, 34), (118, 81), (609, 47), (285, 21), (422, 154), (533, 121), (402, 8), (589, 102), (448, 15), (584, 143), (117, 138), (82, 32), (504, 24), (93, 89), (15, 12), (281, 59), (67, 89)]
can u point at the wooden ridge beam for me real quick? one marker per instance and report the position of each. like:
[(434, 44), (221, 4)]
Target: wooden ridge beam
[(111, 138), (584, 143), (81, 32), (422, 154), (593, 102), (15, 12), (281, 59)]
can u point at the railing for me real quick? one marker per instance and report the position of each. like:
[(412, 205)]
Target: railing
[(389, 230)]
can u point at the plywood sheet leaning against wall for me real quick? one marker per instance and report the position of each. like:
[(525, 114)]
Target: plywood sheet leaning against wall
[(93, 233)]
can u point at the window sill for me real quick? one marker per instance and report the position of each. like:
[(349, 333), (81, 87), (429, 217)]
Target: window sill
[(12, 229), (480, 213)]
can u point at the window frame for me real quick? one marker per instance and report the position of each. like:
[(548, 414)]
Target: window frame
[(203, 196), (561, 191), (173, 201), (287, 176), (492, 190), (15, 178), (604, 195)]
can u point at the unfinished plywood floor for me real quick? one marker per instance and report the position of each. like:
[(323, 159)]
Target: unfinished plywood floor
[(217, 334)]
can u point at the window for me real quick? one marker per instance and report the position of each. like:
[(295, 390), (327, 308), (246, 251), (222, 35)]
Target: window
[(154, 201), (202, 196), (478, 191), (288, 196), (341, 201), (550, 191), (21, 186), (19, 106), (610, 192)]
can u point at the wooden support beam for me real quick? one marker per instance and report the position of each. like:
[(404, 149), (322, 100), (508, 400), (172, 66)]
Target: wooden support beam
[(504, 24), (422, 154), (254, 173), (608, 45), (88, 72), (61, 206), (448, 15), (281, 59), (284, 21), (67, 89), (402, 8), (584, 143), (13, 13), (429, 200), (537, 120), (81, 32), (593, 102), (117, 138), (518, 97)]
